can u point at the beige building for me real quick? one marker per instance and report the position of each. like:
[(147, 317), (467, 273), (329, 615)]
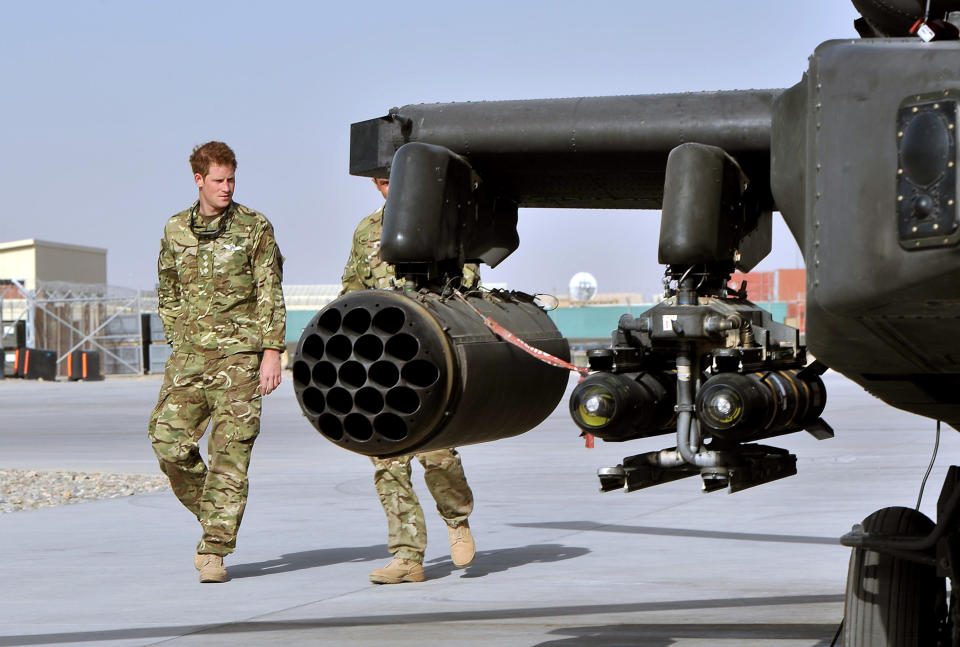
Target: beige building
[(39, 260)]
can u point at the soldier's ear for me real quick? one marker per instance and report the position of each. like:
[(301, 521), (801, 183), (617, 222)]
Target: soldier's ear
[(198, 179)]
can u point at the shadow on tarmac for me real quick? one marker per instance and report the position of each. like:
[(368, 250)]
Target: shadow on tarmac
[(485, 563), (308, 559), (679, 532), (503, 559), (247, 628), (664, 635)]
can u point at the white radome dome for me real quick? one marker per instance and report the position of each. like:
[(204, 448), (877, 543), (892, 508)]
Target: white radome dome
[(583, 286)]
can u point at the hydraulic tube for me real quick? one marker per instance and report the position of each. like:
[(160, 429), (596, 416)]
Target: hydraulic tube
[(688, 436)]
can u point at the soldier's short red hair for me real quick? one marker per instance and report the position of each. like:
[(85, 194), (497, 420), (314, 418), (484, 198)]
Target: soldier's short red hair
[(206, 155)]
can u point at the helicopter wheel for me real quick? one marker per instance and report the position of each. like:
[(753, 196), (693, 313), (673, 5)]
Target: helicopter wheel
[(890, 601)]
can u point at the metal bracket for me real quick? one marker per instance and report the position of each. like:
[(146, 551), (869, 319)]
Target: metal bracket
[(939, 548)]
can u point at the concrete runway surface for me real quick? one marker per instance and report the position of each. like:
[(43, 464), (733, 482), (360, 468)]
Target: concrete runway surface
[(558, 562)]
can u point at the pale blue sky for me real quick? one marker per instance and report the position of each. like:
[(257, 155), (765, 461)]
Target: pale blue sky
[(101, 103)]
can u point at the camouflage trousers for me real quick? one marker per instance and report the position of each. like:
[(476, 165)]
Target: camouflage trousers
[(407, 531), (197, 389)]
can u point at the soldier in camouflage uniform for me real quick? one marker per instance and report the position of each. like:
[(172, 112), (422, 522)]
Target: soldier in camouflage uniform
[(223, 313), (443, 473)]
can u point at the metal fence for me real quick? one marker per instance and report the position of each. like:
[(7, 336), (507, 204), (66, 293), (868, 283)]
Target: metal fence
[(65, 317)]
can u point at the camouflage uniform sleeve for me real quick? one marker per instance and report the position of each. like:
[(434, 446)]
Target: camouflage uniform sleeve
[(350, 281), (168, 292), (471, 276), (268, 275)]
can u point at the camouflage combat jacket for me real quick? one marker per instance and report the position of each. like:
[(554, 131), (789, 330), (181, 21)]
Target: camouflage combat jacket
[(221, 296), (365, 269)]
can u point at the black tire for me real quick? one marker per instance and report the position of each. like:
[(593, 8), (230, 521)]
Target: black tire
[(891, 602)]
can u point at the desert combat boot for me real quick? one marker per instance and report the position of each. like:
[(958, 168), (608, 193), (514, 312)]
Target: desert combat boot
[(210, 567), (398, 571), (462, 548)]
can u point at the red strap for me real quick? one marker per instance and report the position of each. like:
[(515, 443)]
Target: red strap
[(508, 336), (543, 356)]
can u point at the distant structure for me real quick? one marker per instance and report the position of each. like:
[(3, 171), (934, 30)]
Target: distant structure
[(54, 297), (588, 318), (31, 261), (583, 286), (783, 291)]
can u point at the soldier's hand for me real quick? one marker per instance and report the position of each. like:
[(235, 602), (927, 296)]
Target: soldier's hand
[(270, 372)]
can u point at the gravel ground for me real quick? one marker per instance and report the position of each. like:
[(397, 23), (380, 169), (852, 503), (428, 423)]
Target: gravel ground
[(31, 489)]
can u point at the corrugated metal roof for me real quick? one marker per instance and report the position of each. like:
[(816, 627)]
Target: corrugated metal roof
[(304, 297)]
